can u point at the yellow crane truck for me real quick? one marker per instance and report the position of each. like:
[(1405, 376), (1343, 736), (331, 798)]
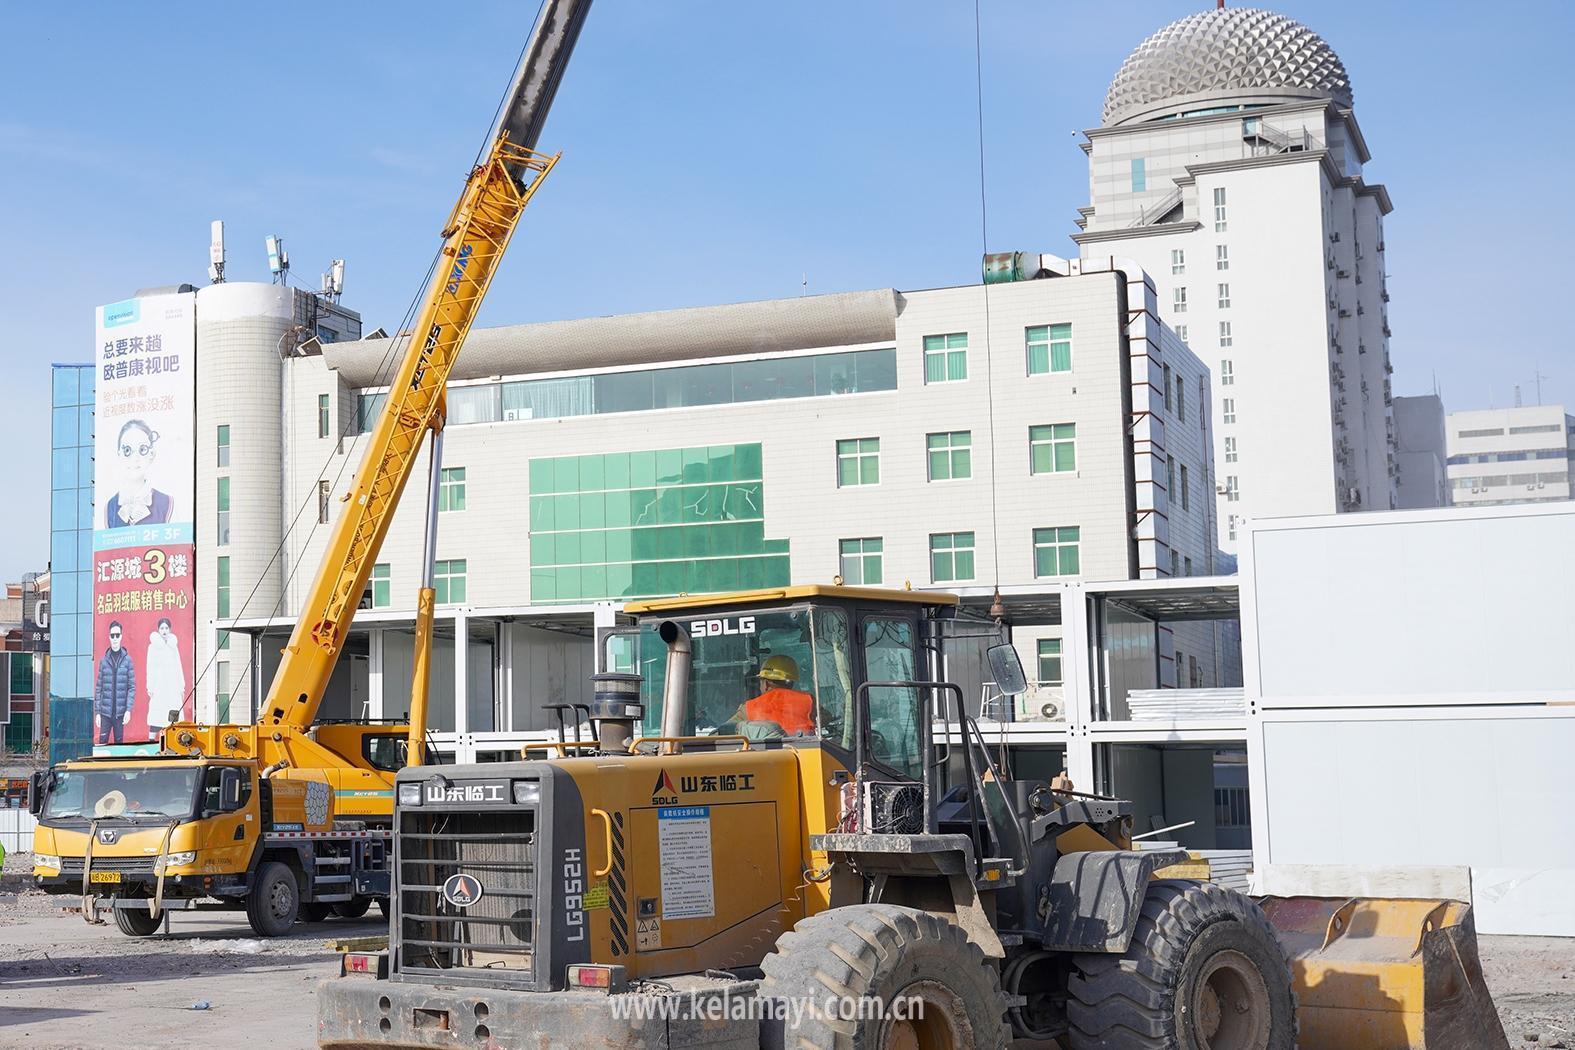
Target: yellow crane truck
[(761, 843), (289, 817)]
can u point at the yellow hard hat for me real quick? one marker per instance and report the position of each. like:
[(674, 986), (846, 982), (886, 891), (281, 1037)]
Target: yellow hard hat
[(779, 669)]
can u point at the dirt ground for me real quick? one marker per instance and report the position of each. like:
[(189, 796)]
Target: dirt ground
[(65, 985)]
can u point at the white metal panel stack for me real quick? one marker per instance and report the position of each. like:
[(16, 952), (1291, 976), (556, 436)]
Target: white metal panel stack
[(1181, 705)]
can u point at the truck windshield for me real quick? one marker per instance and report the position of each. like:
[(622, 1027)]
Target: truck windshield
[(779, 673), (95, 793)]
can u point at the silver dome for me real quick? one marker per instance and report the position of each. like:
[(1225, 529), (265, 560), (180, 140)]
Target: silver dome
[(1227, 56)]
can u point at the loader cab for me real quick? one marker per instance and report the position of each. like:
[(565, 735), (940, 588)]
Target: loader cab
[(783, 668)]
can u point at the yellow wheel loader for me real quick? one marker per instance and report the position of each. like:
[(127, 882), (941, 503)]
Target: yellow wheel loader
[(759, 842)]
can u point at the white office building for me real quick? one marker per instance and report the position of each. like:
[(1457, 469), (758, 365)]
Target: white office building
[(1229, 164), (1016, 436), (1510, 455)]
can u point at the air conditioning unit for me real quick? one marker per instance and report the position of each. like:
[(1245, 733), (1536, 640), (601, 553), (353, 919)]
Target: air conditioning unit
[(893, 808), (1041, 704)]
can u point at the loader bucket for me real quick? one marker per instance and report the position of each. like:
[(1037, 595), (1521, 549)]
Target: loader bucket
[(1386, 974)]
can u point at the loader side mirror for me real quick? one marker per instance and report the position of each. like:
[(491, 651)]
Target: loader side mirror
[(1006, 669), (37, 784)]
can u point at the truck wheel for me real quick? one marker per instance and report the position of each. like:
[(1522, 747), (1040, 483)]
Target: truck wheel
[(1203, 972), (137, 922), (352, 909), (935, 988), (273, 903)]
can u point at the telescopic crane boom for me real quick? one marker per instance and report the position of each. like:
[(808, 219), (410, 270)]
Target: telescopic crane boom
[(474, 238)]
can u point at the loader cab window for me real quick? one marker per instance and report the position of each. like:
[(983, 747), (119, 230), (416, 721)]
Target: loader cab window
[(770, 675), (894, 713), (385, 751)]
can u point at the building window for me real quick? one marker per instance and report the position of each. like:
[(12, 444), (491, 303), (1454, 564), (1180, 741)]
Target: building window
[(1052, 448), (1224, 296), (22, 675), (1186, 566), (951, 557), (1181, 401), (1167, 388), (1227, 366), (1186, 490), (1049, 348), (1219, 209), (1170, 474), (1228, 410), (222, 535), (1230, 528), (222, 598), (1178, 261), (224, 445), (1232, 489), (1050, 661), (859, 561), (1230, 450), (1181, 332), (946, 358), (1179, 303), (448, 580), (1139, 175), (323, 488), (1225, 334), (322, 415), (1056, 551), (1221, 257), (451, 489), (1175, 562), (381, 585), (1232, 808), (858, 462), (221, 691), (950, 455)]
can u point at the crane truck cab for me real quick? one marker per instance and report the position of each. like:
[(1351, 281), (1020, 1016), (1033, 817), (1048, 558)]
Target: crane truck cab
[(223, 823)]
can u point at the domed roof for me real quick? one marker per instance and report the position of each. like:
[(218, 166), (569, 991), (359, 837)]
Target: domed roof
[(1229, 55)]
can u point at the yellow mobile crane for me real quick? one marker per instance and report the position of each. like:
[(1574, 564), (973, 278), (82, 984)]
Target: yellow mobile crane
[(290, 817)]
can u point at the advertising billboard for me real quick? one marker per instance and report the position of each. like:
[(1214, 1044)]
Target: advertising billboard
[(144, 491)]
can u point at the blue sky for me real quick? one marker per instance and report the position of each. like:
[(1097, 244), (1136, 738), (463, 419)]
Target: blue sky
[(714, 152)]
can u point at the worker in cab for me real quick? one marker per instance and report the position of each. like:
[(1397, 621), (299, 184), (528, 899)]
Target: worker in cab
[(779, 703)]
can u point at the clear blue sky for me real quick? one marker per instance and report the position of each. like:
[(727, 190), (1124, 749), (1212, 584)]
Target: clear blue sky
[(715, 152)]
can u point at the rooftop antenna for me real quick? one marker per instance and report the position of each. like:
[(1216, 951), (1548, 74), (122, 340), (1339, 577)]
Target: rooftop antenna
[(278, 260), (803, 284), (1537, 377), (1517, 395), (216, 252), (334, 281)]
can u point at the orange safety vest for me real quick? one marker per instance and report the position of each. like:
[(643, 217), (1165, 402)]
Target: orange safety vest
[(792, 710)]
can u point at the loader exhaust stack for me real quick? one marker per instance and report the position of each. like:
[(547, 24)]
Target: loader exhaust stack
[(1376, 974)]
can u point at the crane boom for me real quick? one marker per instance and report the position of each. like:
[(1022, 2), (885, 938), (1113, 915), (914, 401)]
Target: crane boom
[(474, 239)]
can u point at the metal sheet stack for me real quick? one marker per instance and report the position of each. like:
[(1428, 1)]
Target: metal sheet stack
[(1185, 705)]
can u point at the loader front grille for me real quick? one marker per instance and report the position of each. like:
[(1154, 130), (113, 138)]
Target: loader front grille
[(495, 933), (124, 865)]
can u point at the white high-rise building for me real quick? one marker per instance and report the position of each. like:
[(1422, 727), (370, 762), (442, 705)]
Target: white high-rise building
[(1228, 164)]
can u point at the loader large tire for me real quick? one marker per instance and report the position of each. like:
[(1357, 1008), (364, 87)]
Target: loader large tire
[(832, 962), (1203, 972)]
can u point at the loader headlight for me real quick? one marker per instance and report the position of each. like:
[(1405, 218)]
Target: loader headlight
[(44, 860), (176, 860), (410, 794), (526, 792)]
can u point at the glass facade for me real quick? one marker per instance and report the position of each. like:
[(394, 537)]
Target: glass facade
[(650, 524), (70, 563), (725, 383)]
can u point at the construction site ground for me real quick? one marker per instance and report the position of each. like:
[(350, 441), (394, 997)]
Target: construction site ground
[(65, 984)]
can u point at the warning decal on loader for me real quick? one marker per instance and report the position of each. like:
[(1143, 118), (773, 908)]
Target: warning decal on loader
[(684, 840)]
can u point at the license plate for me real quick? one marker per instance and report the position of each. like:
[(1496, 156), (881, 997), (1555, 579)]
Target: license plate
[(104, 876)]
